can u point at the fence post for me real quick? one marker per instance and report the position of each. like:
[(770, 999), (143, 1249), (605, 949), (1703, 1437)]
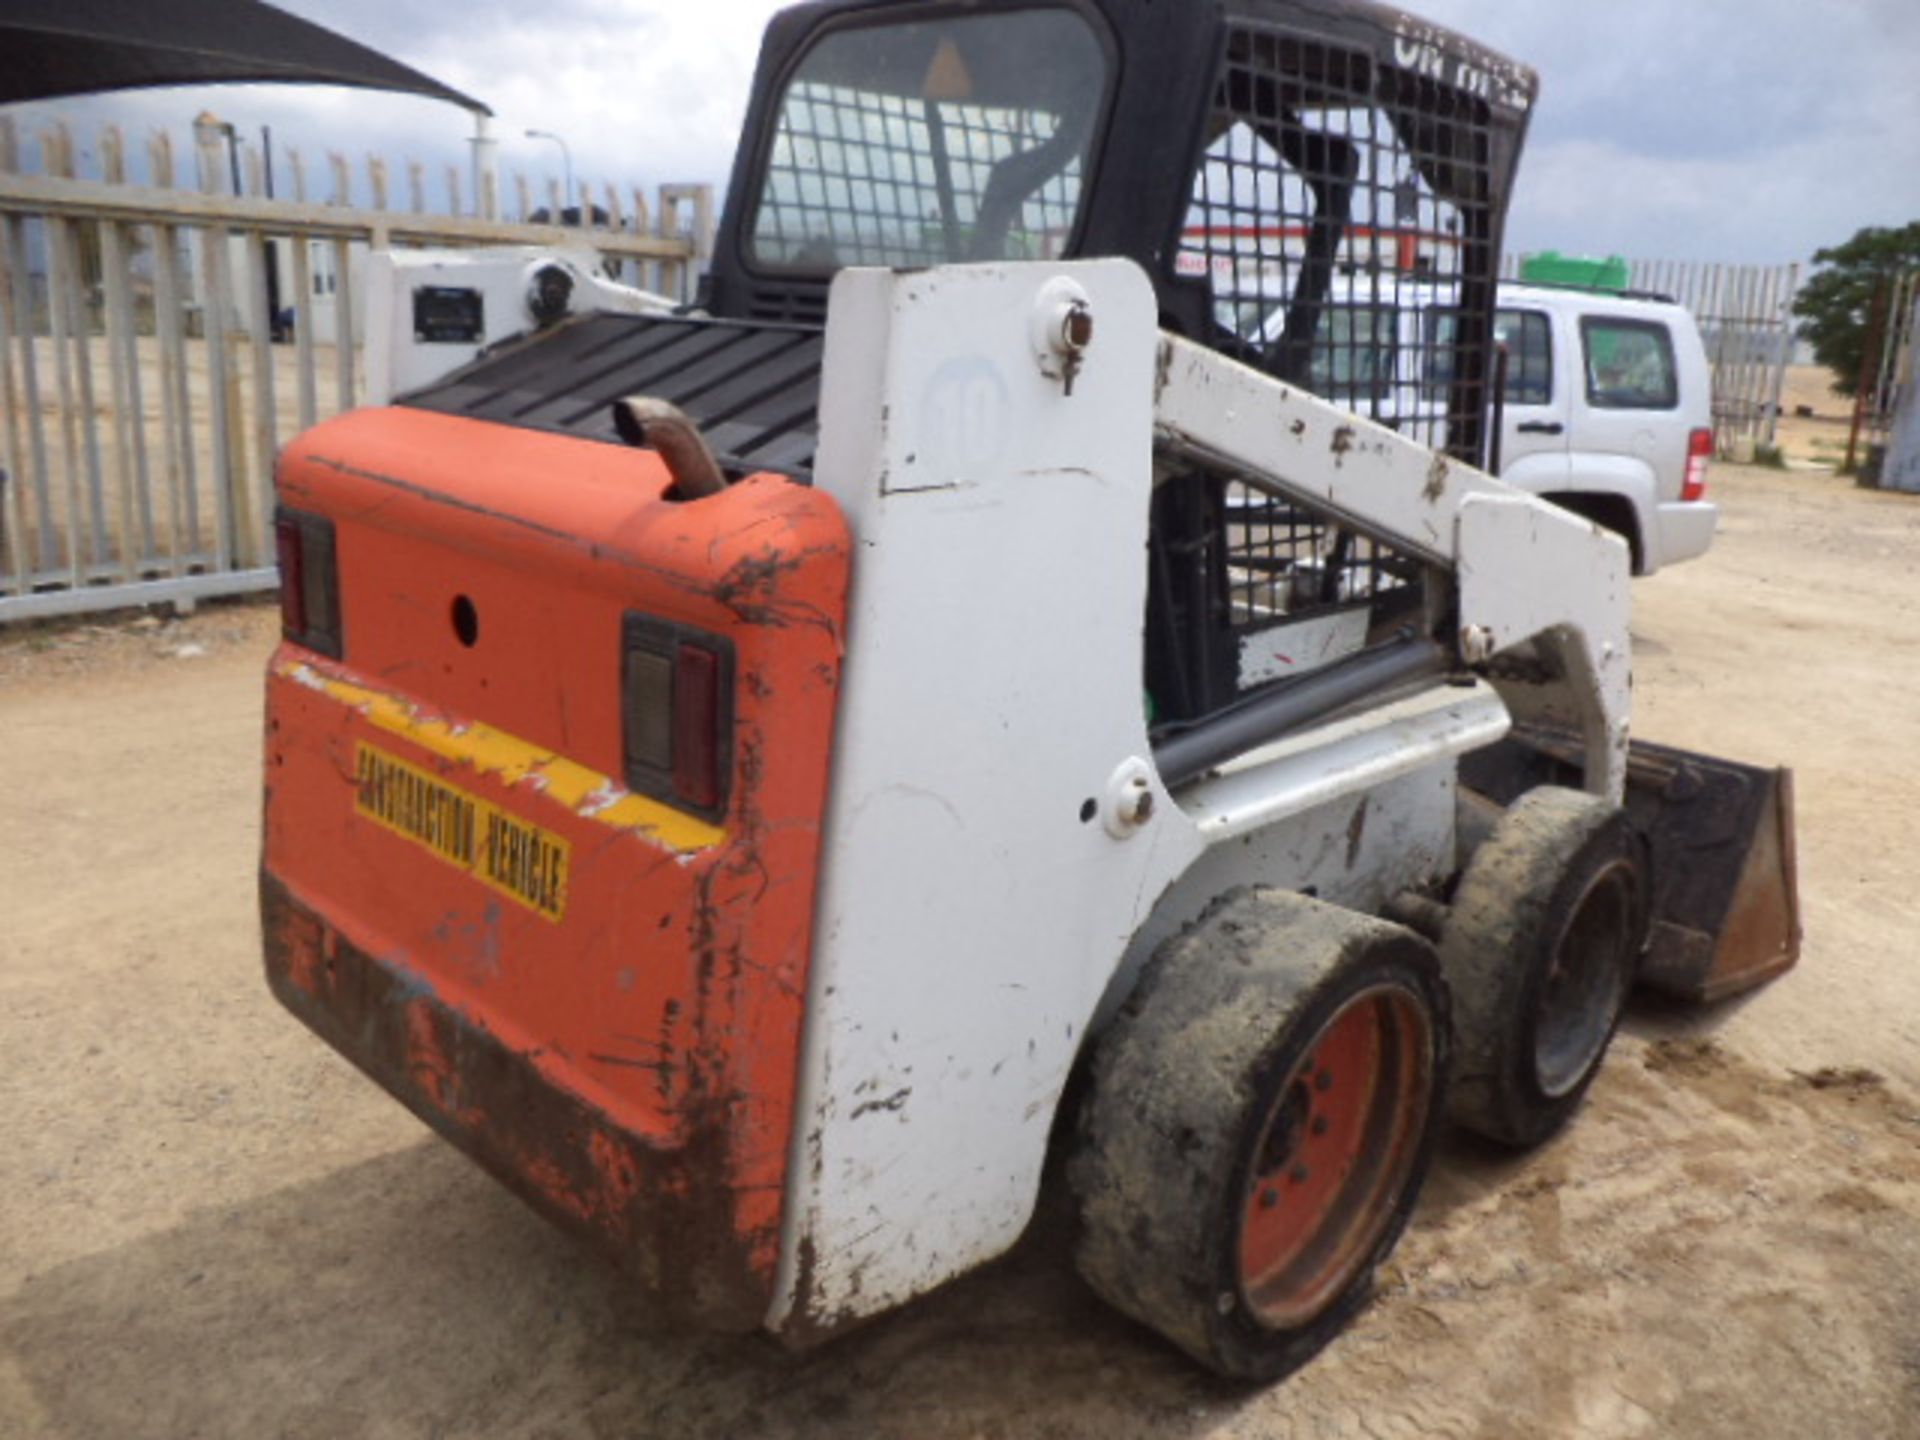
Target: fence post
[(301, 247), (230, 492), (699, 230), (343, 324), (489, 198), (643, 273), (265, 419), (176, 416), (59, 321), (123, 370), (12, 503), (615, 222), (1737, 324), (486, 169), (1760, 324), (1759, 328), (1890, 350), (1784, 355)]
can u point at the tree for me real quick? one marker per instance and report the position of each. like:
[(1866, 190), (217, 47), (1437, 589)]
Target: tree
[(1836, 305)]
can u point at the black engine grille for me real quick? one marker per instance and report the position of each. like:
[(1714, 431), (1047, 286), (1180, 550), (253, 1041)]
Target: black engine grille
[(753, 389)]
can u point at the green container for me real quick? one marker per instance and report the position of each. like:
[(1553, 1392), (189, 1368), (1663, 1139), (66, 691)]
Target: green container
[(1550, 267)]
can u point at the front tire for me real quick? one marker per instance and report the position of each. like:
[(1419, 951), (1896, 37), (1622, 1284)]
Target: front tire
[(1260, 1119), (1540, 948)]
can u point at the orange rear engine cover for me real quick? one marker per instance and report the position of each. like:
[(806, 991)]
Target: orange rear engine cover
[(594, 992)]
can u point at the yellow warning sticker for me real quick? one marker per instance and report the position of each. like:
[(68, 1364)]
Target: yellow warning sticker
[(521, 860), (947, 76)]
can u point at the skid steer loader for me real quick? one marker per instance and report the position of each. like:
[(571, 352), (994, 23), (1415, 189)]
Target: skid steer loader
[(733, 770)]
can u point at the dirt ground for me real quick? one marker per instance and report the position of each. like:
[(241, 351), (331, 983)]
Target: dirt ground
[(1814, 418), (212, 1227)]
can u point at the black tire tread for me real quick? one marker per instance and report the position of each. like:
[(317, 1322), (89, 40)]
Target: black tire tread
[(1159, 1141), (1503, 901)]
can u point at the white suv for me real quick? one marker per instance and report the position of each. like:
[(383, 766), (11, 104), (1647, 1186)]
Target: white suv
[(1609, 399), (1609, 412)]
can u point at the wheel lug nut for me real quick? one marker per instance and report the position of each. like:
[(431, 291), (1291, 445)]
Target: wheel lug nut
[(1298, 1175), (1319, 1124), (1269, 1198), (1323, 1081)]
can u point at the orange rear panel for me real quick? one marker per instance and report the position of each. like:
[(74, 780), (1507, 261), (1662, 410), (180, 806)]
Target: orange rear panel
[(602, 1003)]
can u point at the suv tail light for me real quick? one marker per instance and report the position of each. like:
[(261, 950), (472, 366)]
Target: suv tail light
[(677, 714), (1699, 452), (309, 580)]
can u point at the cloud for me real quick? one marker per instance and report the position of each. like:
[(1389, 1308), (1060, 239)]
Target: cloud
[(639, 89), (1754, 130), (1717, 129), (1599, 197)]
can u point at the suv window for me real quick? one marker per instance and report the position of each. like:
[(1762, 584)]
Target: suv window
[(1529, 343), (1355, 352), (1629, 364)]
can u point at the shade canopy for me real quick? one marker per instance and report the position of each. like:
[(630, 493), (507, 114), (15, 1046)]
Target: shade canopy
[(74, 47)]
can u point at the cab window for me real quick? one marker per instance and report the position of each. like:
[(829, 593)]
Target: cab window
[(1629, 364), (923, 142), (1529, 344)]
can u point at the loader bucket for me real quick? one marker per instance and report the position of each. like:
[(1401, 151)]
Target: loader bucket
[(1725, 900)]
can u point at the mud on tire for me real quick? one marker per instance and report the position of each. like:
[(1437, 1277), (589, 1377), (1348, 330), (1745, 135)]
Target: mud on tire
[(1259, 1119), (1539, 949)]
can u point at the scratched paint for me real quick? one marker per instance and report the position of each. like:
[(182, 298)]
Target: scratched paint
[(623, 1054), (513, 760)]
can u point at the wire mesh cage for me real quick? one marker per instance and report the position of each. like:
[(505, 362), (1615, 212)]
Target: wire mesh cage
[(864, 179), (1246, 588), (932, 142), (1342, 207), (1283, 562), (1343, 220)]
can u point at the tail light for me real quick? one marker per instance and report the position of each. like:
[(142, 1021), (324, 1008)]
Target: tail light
[(1699, 452), (309, 580), (677, 714)]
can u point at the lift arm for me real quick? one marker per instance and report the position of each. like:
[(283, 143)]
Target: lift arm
[(1519, 571)]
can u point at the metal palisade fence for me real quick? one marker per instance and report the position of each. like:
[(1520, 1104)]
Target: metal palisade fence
[(158, 343), (1885, 384), (1745, 315)]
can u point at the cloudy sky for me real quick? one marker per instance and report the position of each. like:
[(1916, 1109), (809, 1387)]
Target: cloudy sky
[(1737, 130)]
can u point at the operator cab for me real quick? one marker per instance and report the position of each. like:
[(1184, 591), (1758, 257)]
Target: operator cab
[(1310, 187), (1315, 189), (1261, 153)]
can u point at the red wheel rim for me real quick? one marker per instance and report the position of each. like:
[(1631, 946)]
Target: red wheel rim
[(1334, 1154)]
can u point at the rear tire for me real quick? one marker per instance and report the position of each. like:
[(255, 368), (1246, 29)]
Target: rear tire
[(1540, 948), (1259, 1121)]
